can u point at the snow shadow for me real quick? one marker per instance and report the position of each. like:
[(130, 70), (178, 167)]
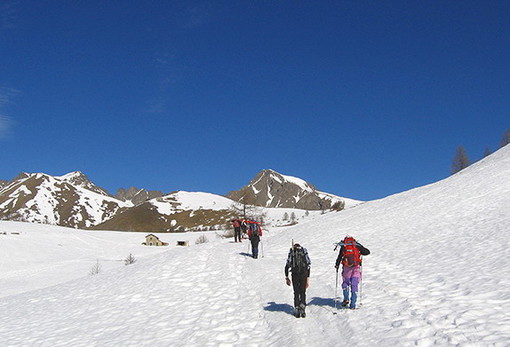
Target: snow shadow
[(274, 307), (322, 302), (246, 254)]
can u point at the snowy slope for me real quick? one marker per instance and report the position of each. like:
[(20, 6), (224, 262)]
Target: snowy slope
[(438, 275)]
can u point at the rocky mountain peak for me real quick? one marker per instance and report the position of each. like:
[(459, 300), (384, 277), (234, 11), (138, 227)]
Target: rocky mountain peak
[(78, 178), (273, 189)]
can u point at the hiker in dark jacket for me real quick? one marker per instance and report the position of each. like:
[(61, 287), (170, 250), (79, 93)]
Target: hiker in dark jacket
[(350, 258), (298, 262), (254, 234), (244, 228)]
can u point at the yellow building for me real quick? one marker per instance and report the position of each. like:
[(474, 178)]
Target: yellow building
[(153, 240)]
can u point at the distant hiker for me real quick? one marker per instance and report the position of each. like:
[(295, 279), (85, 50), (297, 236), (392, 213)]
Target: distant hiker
[(237, 229), (350, 257), (244, 228), (254, 234), (298, 262)]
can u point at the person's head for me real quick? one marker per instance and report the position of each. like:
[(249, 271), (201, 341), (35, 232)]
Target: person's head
[(296, 245)]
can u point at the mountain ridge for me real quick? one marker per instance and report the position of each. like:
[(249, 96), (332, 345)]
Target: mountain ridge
[(73, 200)]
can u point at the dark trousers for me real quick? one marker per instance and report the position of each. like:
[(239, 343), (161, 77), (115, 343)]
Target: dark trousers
[(237, 234), (255, 246), (299, 285)]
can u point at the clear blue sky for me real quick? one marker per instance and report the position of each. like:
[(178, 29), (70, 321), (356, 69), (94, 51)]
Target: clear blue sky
[(363, 99)]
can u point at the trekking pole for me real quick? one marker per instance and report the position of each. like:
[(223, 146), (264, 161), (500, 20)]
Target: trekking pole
[(262, 248), (336, 288), (361, 285)]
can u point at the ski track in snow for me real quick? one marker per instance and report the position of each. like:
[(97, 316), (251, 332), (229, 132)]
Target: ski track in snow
[(438, 274)]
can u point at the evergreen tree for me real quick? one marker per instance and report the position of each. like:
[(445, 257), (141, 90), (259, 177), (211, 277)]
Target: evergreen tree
[(506, 139), (460, 161)]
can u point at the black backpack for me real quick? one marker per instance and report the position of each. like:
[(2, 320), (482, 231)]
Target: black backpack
[(299, 263)]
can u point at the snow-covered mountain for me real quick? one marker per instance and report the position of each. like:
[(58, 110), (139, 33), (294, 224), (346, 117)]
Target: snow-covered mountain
[(438, 275), (272, 189), (70, 200)]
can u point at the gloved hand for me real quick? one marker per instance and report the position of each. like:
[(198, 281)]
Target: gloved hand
[(287, 280)]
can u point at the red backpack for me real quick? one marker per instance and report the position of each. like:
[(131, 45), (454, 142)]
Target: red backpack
[(350, 254)]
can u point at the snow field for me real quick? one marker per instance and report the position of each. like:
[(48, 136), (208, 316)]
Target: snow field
[(438, 274)]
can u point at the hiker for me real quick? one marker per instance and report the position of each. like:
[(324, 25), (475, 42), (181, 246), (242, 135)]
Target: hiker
[(254, 234), (298, 262), (350, 257), (237, 229), (244, 228)]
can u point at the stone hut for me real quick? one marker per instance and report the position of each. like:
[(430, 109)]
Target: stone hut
[(153, 240)]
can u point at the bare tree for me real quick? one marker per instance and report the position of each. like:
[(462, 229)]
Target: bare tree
[(201, 239), (506, 139), (248, 212), (130, 259), (460, 161), (95, 269)]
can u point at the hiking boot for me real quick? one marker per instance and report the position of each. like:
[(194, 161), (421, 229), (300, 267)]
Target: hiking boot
[(297, 312), (345, 303), (302, 310)]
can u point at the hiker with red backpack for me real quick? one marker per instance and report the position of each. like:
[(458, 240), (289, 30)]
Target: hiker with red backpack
[(237, 229), (350, 258), (254, 234)]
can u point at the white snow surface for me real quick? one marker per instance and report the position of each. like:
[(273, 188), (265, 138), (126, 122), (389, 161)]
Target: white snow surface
[(439, 274)]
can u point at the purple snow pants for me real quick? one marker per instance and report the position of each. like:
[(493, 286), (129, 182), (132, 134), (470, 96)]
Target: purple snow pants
[(351, 278)]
